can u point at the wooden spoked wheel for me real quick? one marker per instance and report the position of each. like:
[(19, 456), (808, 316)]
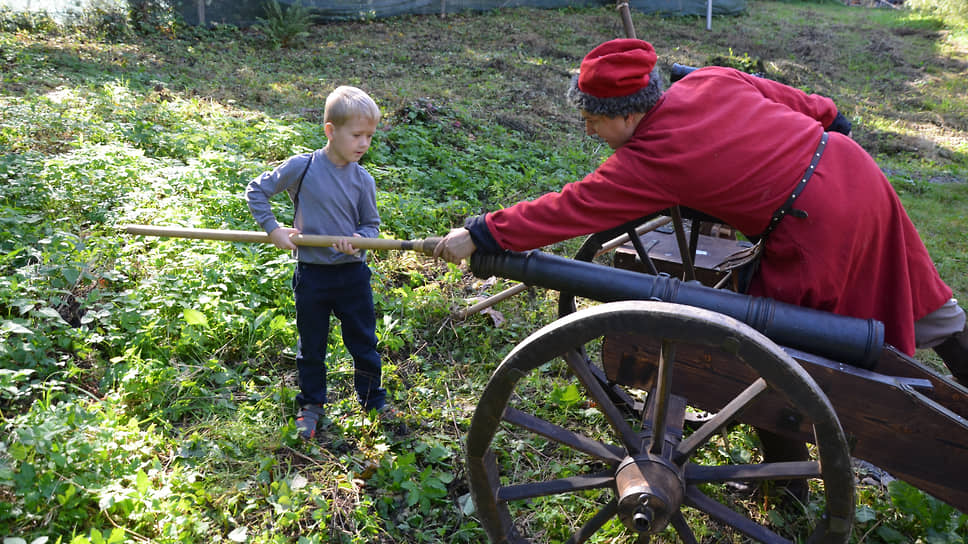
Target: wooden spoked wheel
[(605, 477), (598, 248)]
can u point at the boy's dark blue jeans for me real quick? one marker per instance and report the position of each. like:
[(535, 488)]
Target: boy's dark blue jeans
[(342, 290)]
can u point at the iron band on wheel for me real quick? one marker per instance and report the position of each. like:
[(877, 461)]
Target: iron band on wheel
[(787, 206)]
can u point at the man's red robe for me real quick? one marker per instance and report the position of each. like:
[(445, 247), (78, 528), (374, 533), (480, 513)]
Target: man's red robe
[(734, 146)]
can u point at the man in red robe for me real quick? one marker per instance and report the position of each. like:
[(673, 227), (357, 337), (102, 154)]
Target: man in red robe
[(772, 161)]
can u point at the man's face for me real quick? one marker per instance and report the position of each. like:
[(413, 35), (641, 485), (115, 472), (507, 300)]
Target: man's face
[(614, 130), (349, 141)]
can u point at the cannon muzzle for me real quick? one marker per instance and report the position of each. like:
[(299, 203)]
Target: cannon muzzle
[(844, 339)]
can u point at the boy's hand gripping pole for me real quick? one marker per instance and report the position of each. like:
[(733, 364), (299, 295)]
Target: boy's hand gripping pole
[(425, 246)]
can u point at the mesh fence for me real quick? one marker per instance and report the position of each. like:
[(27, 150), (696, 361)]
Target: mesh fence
[(247, 12)]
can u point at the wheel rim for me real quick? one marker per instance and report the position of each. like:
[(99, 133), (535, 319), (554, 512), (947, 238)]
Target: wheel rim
[(638, 467)]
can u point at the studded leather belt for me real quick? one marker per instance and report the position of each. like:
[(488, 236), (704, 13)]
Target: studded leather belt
[(787, 207)]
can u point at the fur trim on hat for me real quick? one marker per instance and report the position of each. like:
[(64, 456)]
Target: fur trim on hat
[(640, 101)]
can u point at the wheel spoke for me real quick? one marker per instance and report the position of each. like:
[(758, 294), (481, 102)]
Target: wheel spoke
[(687, 447), (667, 356), (675, 419), (788, 470), (682, 528), (556, 487), (580, 366), (720, 512), (600, 518), (614, 390), (579, 442)]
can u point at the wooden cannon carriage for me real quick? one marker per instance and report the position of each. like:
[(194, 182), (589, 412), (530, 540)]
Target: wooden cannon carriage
[(649, 381)]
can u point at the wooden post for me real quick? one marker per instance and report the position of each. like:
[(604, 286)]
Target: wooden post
[(648, 226), (492, 300)]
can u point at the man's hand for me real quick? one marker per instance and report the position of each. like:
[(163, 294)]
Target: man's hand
[(456, 246), (346, 246), (280, 238)]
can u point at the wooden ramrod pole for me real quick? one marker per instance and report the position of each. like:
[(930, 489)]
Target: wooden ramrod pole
[(425, 246)]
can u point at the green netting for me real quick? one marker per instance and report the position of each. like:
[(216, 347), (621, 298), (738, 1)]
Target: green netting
[(247, 12), (688, 7)]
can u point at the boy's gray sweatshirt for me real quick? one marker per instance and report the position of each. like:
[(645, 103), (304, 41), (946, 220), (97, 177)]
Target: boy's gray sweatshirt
[(333, 200)]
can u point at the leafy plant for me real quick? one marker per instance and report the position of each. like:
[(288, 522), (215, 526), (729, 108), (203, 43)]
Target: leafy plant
[(153, 17), (286, 27), (30, 21), (105, 19), (923, 514)]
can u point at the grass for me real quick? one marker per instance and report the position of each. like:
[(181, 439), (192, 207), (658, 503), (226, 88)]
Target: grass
[(147, 386)]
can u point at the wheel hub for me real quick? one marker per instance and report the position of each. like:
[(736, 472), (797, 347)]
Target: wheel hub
[(650, 490)]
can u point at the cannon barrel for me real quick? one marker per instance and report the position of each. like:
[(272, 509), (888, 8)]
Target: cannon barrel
[(844, 339)]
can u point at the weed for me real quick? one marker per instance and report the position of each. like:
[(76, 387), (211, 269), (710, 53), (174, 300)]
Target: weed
[(39, 22), (105, 19), (286, 27), (150, 17)]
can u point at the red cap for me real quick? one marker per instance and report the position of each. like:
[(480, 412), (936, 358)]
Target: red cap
[(616, 68)]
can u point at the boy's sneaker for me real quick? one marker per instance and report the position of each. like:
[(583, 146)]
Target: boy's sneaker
[(392, 419), (307, 418)]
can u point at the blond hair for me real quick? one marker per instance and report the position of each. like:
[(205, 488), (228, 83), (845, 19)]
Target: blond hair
[(346, 103)]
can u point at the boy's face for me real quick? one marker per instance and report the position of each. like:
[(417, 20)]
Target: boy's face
[(348, 142)]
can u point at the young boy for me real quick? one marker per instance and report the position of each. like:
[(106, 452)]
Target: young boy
[(333, 195)]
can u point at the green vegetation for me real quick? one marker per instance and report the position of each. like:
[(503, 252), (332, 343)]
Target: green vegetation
[(147, 385), (285, 27), (953, 11)]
